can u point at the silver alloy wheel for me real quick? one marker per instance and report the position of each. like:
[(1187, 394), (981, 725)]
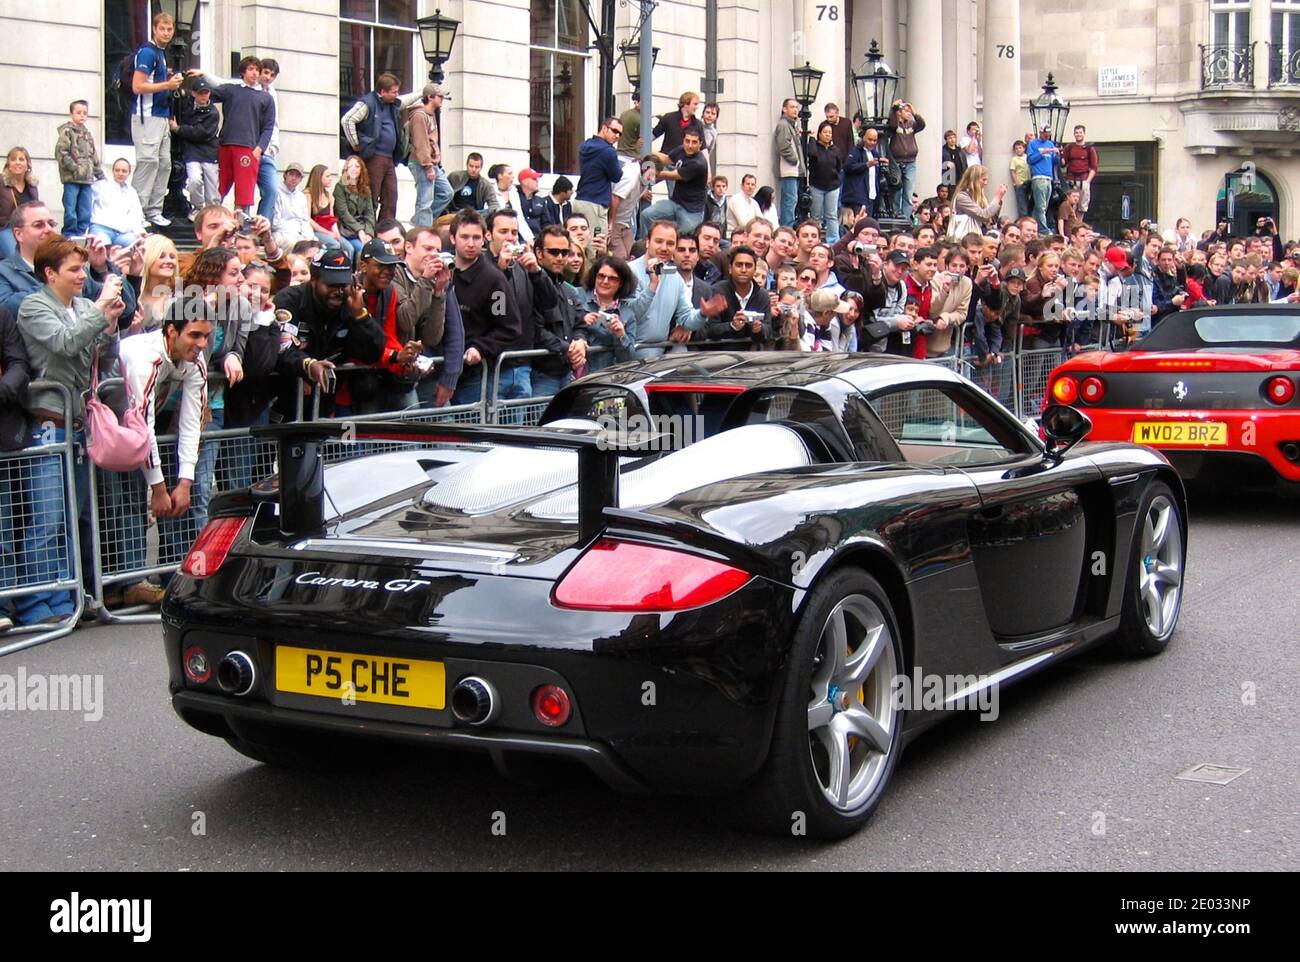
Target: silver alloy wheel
[(1160, 567), (852, 716)]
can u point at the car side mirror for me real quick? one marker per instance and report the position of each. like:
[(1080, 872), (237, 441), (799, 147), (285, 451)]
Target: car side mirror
[(1064, 427)]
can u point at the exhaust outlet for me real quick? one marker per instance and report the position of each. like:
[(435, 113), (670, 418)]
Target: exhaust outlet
[(474, 701), (236, 674)]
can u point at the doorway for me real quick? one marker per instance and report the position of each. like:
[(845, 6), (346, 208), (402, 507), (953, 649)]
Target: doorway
[(1246, 195)]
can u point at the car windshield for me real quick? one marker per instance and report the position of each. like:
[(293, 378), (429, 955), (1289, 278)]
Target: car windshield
[(1275, 327)]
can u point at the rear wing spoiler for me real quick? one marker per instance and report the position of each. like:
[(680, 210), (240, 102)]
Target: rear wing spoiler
[(302, 466)]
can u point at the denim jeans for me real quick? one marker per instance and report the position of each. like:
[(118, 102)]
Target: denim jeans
[(268, 185), (176, 535), (46, 551), (77, 200), (903, 199), (1042, 188), (239, 457), (546, 385), (431, 196), (685, 220), (516, 385), (789, 201), (111, 237), (826, 210), (470, 388), (356, 245), (329, 240), (1024, 203)]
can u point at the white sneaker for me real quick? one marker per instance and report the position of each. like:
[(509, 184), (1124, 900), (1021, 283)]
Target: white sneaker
[(158, 220), (5, 624)]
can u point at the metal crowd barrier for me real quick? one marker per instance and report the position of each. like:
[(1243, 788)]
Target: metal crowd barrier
[(40, 546)]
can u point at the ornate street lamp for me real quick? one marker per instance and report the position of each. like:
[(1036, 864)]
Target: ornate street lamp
[(184, 13), (631, 55), (1049, 109), (437, 37), (807, 81), (876, 87)]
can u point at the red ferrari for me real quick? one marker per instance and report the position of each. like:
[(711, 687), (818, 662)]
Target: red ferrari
[(1212, 388)]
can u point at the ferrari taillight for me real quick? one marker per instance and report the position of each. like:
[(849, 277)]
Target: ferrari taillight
[(1279, 389), (626, 576), (1092, 390), (1065, 390), (212, 546)]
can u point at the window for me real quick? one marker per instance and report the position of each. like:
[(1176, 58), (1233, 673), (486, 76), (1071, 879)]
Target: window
[(557, 84), (1284, 52), (126, 29), (934, 426), (1230, 22), (375, 36)]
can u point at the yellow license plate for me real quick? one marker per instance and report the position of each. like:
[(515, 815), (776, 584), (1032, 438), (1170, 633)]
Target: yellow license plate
[(1157, 433), (369, 678)]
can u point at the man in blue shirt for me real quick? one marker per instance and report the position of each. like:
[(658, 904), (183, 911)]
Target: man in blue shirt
[(151, 112), (599, 170), (1043, 156)]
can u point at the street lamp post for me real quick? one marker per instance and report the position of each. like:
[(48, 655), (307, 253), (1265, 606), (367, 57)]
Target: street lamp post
[(631, 56), (807, 81), (1048, 108), (875, 86), (437, 37), (183, 14)]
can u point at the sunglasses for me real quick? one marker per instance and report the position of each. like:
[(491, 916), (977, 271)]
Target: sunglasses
[(613, 278), (556, 251)]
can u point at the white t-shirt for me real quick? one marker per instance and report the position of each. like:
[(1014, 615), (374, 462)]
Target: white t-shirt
[(627, 190)]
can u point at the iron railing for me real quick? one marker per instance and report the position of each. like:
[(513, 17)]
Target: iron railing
[(1227, 66), (1283, 66)]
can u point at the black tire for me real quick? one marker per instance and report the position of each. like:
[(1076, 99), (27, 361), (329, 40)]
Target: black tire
[(1136, 635), (787, 797)]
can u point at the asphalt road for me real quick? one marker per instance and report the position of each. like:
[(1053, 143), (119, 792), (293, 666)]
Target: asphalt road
[(1077, 772)]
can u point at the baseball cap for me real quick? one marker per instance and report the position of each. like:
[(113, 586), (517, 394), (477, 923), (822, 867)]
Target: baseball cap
[(827, 301), (437, 90), (1015, 274), (898, 257), (379, 251), (529, 174), (296, 166), (1044, 126), (1116, 256), (199, 83), (333, 265)]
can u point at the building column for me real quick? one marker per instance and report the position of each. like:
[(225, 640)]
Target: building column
[(821, 43), (1000, 82), (924, 87)]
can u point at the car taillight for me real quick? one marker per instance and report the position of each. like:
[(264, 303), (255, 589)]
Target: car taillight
[(551, 705), (212, 546), (1280, 389), (1065, 390), (625, 576), (1092, 390)]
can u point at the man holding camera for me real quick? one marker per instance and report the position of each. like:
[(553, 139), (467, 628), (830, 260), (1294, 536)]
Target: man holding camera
[(661, 307), (534, 295), (216, 226), (749, 307)]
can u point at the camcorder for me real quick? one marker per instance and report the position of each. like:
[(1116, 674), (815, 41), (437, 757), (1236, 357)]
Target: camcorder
[(860, 247)]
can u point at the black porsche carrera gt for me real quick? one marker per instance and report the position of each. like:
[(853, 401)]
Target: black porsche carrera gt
[(703, 573)]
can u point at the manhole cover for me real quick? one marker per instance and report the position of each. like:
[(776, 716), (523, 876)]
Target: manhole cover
[(1214, 774)]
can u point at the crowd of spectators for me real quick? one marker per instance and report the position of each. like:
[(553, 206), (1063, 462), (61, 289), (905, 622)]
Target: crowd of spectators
[(319, 289)]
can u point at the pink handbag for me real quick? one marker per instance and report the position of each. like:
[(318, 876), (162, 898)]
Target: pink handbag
[(114, 445)]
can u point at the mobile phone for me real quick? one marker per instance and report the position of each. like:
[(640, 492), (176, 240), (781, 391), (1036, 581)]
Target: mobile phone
[(598, 231), (423, 364), (331, 380)]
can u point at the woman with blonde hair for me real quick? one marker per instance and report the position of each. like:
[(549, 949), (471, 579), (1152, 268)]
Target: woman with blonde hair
[(17, 187), (972, 210), (158, 280)]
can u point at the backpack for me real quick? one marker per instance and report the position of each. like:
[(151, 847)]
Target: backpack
[(123, 82)]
